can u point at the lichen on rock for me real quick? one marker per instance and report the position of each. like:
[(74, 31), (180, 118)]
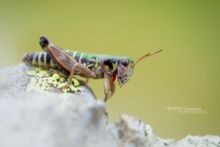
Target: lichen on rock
[(47, 80)]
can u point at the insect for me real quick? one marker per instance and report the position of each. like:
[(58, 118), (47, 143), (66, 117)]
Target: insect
[(89, 66)]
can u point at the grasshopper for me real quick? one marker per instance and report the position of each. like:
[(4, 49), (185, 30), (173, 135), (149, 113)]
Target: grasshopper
[(89, 66)]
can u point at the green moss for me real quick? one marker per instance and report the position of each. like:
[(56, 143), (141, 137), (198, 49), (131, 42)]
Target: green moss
[(48, 80)]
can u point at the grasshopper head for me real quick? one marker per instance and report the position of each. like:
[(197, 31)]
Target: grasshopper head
[(125, 70), (126, 67)]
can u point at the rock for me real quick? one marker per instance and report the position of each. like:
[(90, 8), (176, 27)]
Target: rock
[(133, 132), (198, 141), (71, 118)]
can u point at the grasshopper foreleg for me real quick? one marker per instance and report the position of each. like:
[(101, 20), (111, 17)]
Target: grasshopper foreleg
[(109, 87)]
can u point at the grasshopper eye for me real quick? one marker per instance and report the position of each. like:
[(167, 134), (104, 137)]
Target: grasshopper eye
[(125, 62)]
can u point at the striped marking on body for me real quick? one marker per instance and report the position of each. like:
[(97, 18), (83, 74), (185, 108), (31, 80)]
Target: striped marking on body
[(34, 61), (74, 54), (45, 59), (39, 59), (80, 58)]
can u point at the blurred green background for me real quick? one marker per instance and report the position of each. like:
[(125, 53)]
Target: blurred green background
[(186, 74)]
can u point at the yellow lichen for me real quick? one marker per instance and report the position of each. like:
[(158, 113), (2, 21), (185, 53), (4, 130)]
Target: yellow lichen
[(41, 79)]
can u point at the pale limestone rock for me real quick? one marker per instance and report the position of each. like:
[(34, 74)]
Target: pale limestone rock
[(37, 118)]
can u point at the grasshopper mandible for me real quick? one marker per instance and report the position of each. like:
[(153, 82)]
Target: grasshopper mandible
[(86, 65)]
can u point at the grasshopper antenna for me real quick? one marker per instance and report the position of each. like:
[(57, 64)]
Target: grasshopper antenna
[(146, 56)]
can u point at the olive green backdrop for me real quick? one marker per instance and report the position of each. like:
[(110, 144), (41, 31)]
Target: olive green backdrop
[(186, 74)]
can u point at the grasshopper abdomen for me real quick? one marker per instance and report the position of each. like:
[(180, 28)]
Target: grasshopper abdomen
[(39, 59)]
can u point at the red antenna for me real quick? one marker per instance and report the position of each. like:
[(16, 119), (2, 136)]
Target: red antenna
[(145, 56)]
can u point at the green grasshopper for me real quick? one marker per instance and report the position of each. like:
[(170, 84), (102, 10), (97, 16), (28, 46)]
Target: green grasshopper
[(86, 65)]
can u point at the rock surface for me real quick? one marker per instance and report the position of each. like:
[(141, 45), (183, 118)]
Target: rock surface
[(37, 118)]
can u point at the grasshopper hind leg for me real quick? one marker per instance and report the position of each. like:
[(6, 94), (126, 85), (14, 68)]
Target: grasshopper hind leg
[(82, 69), (43, 41)]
